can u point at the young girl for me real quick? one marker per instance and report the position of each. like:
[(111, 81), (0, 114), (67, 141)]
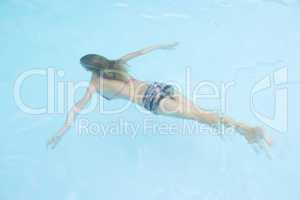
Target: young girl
[(111, 79)]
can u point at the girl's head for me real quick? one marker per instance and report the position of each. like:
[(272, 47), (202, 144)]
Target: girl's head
[(111, 69)]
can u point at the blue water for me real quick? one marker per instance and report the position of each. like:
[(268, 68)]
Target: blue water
[(220, 41)]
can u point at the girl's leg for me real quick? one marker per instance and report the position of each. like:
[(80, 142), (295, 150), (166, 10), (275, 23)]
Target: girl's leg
[(179, 106)]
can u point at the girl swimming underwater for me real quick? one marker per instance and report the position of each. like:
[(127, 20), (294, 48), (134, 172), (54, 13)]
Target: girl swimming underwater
[(111, 79)]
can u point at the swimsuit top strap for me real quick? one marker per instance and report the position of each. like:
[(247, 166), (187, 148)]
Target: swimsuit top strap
[(106, 97)]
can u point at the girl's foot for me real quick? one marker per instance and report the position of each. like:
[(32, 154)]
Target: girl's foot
[(258, 139), (256, 135)]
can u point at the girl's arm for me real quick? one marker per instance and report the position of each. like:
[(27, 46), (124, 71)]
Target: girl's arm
[(52, 142), (144, 51)]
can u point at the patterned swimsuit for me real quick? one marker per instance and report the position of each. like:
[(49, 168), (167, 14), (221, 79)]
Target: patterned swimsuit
[(155, 93)]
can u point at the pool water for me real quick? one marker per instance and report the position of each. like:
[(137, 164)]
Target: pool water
[(244, 55)]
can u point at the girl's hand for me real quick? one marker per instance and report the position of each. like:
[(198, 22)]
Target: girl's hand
[(52, 142), (169, 46)]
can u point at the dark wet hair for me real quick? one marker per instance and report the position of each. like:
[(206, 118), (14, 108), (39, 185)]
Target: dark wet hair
[(111, 69)]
